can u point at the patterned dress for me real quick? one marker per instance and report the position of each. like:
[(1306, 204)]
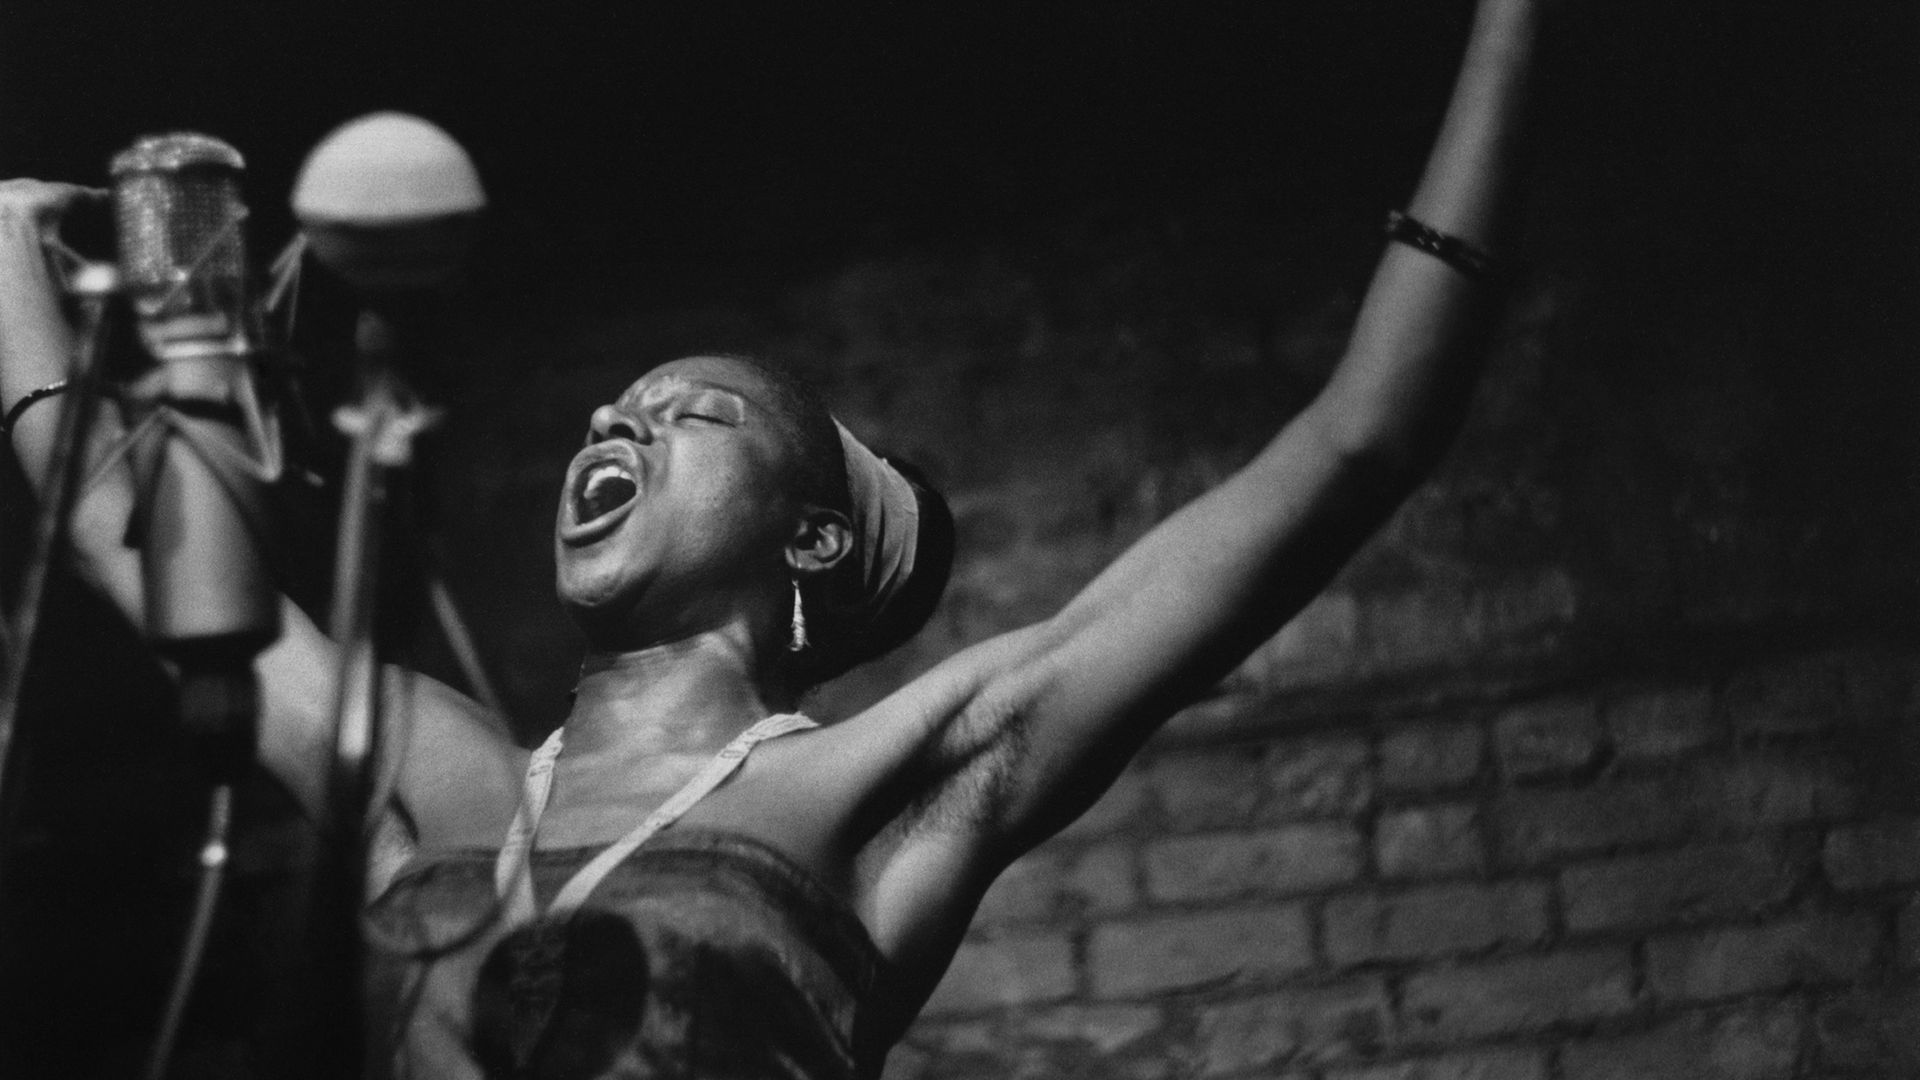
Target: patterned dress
[(703, 954)]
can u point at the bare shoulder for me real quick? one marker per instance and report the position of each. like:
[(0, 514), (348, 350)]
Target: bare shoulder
[(459, 767), (461, 772)]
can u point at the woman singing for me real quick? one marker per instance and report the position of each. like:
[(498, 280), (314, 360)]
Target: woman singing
[(691, 878)]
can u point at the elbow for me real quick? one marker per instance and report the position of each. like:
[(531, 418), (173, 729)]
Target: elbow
[(1397, 453)]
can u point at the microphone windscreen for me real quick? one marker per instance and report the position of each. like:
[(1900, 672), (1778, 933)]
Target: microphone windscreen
[(387, 168), (388, 202), (182, 250)]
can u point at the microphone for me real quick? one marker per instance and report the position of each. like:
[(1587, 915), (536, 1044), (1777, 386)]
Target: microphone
[(203, 448), (390, 203)]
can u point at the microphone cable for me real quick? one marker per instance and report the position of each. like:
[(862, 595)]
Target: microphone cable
[(206, 898)]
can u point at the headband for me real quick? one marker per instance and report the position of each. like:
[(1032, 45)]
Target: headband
[(886, 518)]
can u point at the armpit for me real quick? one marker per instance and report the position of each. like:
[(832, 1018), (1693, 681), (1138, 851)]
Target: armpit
[(975, 766)]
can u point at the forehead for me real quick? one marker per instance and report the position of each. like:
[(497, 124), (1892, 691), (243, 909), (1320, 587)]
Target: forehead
[(701, 373)]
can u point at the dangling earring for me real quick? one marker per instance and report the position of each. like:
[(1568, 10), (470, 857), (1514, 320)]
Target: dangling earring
[(797, 631)]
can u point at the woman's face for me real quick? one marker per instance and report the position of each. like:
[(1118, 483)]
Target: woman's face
[(678, 510)]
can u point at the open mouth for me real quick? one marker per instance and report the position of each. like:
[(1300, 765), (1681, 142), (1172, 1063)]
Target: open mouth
[(601, 490), (605, 488)]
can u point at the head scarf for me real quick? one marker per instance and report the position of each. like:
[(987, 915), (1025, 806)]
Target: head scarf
[(886, 522)]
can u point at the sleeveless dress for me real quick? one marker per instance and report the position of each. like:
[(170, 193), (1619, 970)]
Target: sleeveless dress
[(699, 954), (704, 954)]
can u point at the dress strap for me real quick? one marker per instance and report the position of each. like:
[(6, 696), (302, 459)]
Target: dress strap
[(513, 874), (513, 869)]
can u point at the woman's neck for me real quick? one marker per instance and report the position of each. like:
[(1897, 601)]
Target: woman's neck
[(688, 697)]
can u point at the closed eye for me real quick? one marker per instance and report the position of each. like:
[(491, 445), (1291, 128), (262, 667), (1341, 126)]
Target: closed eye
[(710, 408)]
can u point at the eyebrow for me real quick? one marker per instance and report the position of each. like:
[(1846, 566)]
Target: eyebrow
[(672, 384)]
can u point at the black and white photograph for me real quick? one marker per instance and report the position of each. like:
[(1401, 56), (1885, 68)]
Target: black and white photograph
[(1098, 541)]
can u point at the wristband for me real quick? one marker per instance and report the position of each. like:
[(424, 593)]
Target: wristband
[(20, 407), (1455, 252)]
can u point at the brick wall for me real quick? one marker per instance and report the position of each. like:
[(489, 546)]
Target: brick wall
[(1557, 779), (1696, 875)]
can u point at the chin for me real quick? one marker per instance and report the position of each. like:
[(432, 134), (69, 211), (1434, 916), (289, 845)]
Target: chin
[(592, 593), (603, 621)]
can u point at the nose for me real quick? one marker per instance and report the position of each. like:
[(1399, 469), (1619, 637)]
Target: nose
[(611, 422)]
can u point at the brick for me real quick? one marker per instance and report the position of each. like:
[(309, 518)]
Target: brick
[(1758, 1043), (1477, 1065), (1699, 882), (1431, 755), (1430, 841), (1055, 883), (952, 1036), (1293, 1029), (1873, 1029), (1120, 809), (1180, 952), (1544, 738), (1005, 1046), (1514, 616), (1775, 790), (1885, 852), (1435, 921), (1539, 826), (1274, 862), (1523, 994), (1220, 787), (1105, 1029), (1322, 777), (1717, 963), (1006, 970), (1702, 801), (1802, 694), (1657, 723)]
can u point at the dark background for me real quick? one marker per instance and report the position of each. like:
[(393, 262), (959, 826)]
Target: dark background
[(1701, 416), (610, 134)]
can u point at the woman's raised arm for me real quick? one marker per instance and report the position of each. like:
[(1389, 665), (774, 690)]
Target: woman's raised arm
[(297, 671), (35, 346), (1054, 711)]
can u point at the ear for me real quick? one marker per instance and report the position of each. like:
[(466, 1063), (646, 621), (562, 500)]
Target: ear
[(823, 539)]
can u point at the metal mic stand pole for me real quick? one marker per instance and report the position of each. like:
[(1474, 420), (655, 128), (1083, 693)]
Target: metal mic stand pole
[(381, 427), (94, 285)]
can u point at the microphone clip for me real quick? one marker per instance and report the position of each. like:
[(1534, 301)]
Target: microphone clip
[(388, 426)]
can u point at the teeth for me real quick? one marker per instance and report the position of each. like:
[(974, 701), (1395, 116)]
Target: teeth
[(607, 486), (600, 476)]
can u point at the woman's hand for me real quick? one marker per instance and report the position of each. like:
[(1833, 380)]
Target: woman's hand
[(33, 333), (36, 350), (42, 201), (36, 342), (30, 216)]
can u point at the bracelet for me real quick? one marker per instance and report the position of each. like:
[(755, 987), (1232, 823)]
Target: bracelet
[(1452, 250), (20, 407)]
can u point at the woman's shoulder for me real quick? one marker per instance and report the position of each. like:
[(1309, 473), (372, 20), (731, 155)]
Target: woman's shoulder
[(460, 777)]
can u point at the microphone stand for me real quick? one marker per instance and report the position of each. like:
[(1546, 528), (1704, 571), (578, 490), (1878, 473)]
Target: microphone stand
[(210, 616), (387, 202), (64, 468), (381, 427)]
